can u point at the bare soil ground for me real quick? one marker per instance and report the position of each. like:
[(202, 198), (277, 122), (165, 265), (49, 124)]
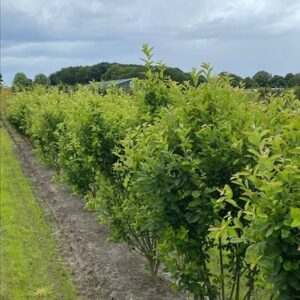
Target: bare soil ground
[(100, 270)]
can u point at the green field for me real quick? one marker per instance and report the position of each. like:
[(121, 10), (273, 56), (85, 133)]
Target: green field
[(31, 267)]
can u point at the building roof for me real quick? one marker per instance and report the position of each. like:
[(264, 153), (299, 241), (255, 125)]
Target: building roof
[(117, 82)]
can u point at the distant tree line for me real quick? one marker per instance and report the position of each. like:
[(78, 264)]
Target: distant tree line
[(113, 71), (21, 82), (86, 74), (108, 71), (263, 79)]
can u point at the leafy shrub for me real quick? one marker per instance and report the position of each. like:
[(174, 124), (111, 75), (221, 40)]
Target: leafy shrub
[(19, 110), (201, 176), (90, 132), (45, 119), (271, 205), (171, 170)]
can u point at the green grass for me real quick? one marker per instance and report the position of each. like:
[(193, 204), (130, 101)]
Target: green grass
[(31, 267)]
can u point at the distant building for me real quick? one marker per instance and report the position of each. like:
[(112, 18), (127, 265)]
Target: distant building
[(120, 83)]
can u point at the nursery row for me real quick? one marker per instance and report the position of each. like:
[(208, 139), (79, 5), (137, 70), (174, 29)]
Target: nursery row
[(201, 179)]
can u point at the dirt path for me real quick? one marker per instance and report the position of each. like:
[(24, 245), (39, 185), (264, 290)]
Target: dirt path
[(100, 270)]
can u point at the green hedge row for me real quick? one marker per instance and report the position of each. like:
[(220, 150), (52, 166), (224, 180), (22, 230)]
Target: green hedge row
[(202, 178)]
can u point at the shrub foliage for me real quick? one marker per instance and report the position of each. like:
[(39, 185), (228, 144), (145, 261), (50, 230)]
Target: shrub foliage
[(199, 176)]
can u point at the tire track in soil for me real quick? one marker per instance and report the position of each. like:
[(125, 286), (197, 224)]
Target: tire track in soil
[(100, 270)]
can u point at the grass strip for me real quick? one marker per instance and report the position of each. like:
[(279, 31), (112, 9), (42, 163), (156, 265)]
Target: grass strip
[(31, 267)]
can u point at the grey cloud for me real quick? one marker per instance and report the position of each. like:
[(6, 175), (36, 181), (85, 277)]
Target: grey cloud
[(235, 35)]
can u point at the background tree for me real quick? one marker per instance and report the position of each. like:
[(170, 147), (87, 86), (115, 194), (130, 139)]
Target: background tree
[(277, 82), (297, 79), (262, 79), (21, 82), (249, 83), (64, 76), (177, 75), (289, 79), (41, 79), (1, 81), (108, 71), (96, 71), (120, 71), (113, 71), (292, 80), (82, 75), (297, 92), (235, 80)]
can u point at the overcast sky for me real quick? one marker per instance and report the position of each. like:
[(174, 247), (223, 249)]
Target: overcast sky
[(239, 36)]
